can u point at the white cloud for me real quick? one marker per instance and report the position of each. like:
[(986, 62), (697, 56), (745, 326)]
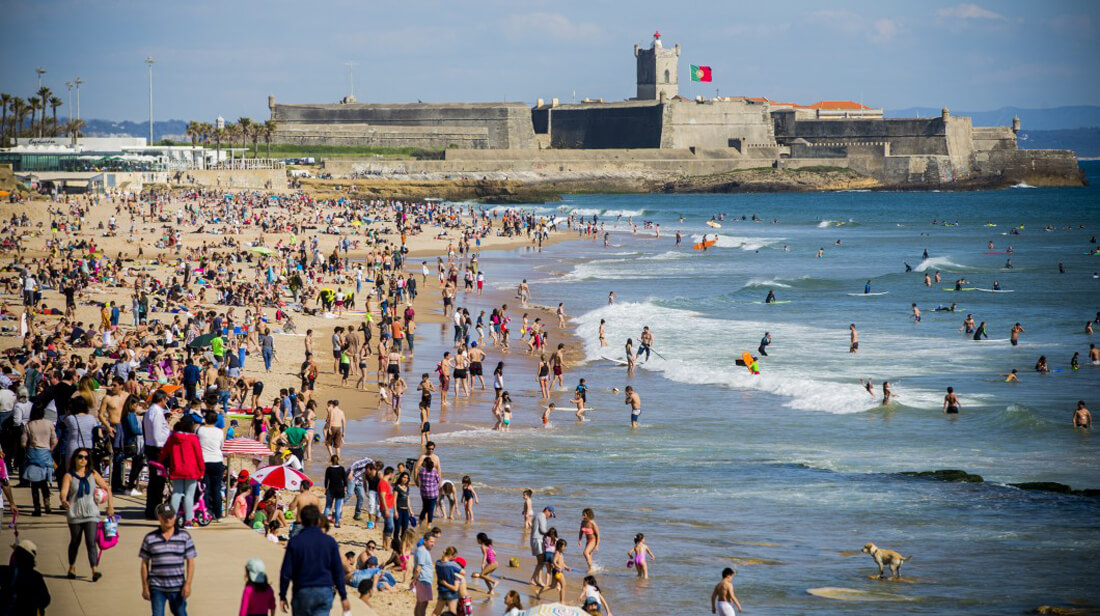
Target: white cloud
[(549, 25), (883, 31), (970, 11)]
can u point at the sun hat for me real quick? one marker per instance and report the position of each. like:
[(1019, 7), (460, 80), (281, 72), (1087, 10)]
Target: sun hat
[(257, 571)]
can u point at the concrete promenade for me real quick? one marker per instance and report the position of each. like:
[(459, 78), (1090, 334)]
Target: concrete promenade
[(223, 549)]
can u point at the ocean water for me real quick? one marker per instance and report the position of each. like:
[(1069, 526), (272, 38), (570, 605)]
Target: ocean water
[(785, 475)]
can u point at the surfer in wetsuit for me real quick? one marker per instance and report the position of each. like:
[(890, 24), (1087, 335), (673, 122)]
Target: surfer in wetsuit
[(951, 402), (996, 286), (925, 255), (764, 342), (980, 332), (867, 287), (771, 297), (908, 268)]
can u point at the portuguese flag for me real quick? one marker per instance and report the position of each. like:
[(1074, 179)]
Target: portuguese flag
[(700, 73)]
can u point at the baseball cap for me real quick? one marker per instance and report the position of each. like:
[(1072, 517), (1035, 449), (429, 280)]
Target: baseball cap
[(550, 508), (165, 510), (257, 571), (27, 546), (461, 561), (243, 474)]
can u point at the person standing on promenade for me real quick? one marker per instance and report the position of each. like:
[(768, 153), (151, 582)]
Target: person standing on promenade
[(156, 431), (313, 565), (167, 564)]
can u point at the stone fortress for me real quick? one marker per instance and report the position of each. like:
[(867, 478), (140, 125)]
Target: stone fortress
[(665, 135)]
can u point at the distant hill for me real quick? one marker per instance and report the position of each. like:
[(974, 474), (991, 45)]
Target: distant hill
[(173, 129), (1053, 118), (1084, 141)]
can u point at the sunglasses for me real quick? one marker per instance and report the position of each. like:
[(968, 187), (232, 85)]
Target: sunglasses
[(82, 457)]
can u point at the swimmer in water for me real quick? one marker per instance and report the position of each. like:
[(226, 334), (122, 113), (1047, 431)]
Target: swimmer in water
[(1082, 418), (1075, 362), (916, 313), (968, 323), (951, 404), (869, 386), (1012, 377), (853, 336), (887, 393), (1015, 335), (1041, 366), (927, 280)]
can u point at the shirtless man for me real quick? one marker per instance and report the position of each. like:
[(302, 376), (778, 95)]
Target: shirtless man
[(916, 313), (477, 357), (1082, 418), (110, 415), (603, 333), (951, 402), (635, 402), (335, 424), (645, 341), (429, 453), (853, 346), (524, 293), (1015, 336), (444, 369), (722, 599), (1094, 355), (301, 500)]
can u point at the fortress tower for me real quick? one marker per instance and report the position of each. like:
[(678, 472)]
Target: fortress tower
[(658, 70)]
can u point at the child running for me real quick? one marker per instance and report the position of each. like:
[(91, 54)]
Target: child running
[(488, 563)]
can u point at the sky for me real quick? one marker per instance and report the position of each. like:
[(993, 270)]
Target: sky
[(225, 57)]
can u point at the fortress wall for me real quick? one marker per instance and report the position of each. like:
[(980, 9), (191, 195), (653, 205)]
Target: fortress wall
[(615, 155), (606, 127), (508, 124), (918, 136), (1035, 167), (923, 169), (714, 124), (993, 138), (384, 136)]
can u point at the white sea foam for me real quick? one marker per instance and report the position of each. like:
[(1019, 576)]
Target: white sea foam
[(735, 241), (816, 373), (623, 213), (1022, 185), (772, 282), (943, 263)]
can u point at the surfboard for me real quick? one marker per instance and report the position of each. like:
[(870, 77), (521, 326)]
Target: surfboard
[(714, 225), (868, 294), (854, 594), (997, 252), (785, 301), (992, 340), (996, 290), (706, 244), (962, 289), (617, 361), (747, 358)]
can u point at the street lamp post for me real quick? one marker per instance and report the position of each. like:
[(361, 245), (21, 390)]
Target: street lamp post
[(41, 71), (150, 61), (77, 83), (69, 85)]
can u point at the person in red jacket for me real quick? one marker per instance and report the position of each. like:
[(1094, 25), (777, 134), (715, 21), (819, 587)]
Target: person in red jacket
[(182, 454)]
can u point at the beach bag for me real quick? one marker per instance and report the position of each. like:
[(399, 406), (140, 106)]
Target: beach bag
[(107, 533)]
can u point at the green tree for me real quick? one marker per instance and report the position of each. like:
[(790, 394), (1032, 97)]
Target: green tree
[(5, 100), (33, 103), (55, 102), (44, 95), (269, 132), (245, 127)]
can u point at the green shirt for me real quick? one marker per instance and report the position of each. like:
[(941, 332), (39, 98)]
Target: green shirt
[(294, 435), (217, 345)]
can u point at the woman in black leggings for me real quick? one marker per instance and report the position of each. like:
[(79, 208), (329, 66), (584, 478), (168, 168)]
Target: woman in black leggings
[(78, 495)]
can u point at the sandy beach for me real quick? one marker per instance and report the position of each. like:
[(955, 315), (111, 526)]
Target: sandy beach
[(144, 253)]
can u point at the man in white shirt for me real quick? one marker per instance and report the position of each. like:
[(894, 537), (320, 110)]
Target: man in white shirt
[(211, 439), (30, 285), (155, 428), (7, 403)]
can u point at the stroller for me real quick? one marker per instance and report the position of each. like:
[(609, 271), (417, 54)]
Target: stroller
[(202, 514)]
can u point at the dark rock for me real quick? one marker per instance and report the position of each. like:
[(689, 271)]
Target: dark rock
[(946, 475)]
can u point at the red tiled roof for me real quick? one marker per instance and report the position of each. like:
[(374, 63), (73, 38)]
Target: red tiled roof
[(838, 106)]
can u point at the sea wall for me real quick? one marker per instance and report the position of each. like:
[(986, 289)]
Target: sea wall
[(596, 126), (716, 124), (435, 138), (508, 125), (1034, 167)]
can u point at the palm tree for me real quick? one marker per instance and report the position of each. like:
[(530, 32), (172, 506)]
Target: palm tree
[(72, 127), (44, 95), (269, 132), (245, 125), (192, 131), (218, 133), (16, 106), (5, 100), (55, 102), (33, 103), (22, 108)]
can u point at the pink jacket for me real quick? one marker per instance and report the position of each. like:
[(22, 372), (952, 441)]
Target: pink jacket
[(183, 456)]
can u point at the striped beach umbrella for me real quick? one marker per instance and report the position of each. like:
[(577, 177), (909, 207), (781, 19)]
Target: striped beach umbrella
[(281, 477), (245, 447)]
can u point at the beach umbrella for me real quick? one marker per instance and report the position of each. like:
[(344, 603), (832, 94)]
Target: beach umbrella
[(202, 341), (281, 477), (555, 609), (245, 447), (262, 250)]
